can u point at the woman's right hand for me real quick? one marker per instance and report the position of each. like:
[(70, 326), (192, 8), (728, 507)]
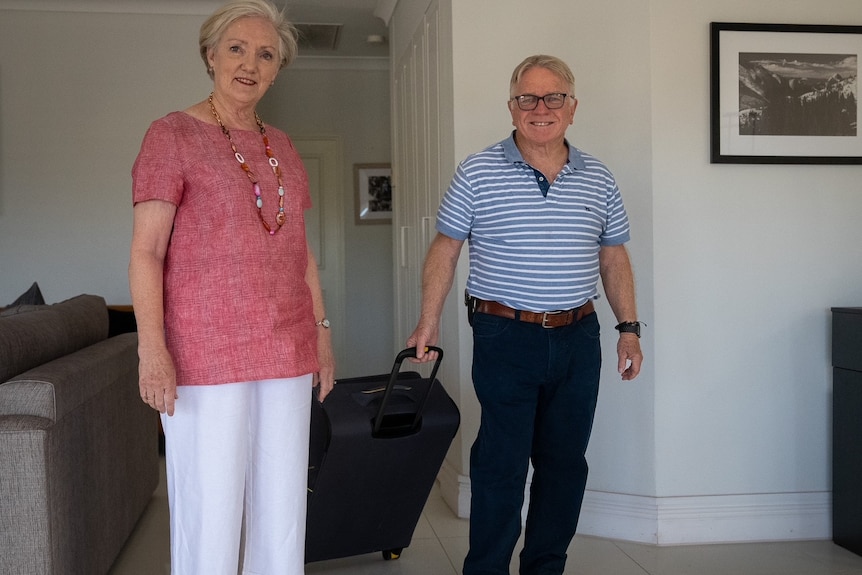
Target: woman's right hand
[(158, 380)]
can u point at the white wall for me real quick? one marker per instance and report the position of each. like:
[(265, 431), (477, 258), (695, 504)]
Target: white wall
[(77, 92), (748, 261)]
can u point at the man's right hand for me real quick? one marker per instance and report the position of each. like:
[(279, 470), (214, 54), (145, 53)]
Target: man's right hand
[(420, 339), (437, 276)]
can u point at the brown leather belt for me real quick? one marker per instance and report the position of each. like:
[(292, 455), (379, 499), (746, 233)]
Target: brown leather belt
[(546, 319)]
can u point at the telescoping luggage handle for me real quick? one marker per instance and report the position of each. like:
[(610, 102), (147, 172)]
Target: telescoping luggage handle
[(402, 428)]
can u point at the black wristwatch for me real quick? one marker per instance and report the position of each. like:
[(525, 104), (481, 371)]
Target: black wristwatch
[(629, 327)]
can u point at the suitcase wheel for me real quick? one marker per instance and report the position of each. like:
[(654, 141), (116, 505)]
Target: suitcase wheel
[(391, 554)]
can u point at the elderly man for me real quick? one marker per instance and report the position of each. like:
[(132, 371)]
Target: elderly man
[(544, 221)]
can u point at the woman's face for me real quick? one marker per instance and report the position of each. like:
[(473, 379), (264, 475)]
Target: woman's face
[(542, 126), (245, 60)]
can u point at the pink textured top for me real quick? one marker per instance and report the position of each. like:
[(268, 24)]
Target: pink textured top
[(237, 307)]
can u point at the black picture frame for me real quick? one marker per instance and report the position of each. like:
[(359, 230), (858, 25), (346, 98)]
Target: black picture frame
[(783, 93), (373, 193)]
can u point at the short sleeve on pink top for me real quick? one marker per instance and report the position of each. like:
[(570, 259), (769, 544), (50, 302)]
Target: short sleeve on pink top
[(237, 307)]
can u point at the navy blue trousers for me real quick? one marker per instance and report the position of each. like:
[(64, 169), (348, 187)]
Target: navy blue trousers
[(537, 389)]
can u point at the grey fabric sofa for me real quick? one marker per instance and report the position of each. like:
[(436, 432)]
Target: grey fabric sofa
[(78, 448)]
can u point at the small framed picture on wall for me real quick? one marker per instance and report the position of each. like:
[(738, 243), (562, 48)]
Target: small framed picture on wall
[(373, 185)]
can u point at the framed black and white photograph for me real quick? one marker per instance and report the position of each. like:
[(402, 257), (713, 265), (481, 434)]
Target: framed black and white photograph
[(373, 183), (784, 93)]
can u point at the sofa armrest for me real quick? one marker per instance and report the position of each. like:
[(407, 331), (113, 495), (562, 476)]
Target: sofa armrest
[(25, 507), (91, 460), (27, 398)]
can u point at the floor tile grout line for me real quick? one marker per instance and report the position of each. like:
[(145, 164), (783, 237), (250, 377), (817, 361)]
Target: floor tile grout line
[(456, 568), (632, 559), (439, 538)]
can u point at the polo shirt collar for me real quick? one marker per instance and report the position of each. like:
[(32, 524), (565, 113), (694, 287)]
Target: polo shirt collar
[(513, 154)]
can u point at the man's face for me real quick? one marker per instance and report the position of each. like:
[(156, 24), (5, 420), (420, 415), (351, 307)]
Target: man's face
[(542, 125)]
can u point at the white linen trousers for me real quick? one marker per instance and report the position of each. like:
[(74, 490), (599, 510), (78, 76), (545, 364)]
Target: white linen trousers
[(237, 464)]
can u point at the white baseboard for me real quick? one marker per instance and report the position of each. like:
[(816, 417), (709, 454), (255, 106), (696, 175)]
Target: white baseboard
[(455, 489), (683, 520), (707, 519)]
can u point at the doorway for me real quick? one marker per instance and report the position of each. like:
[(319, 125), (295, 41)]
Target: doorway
[(324, 225)]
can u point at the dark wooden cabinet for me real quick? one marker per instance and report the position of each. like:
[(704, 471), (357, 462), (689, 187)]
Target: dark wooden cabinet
[(847, 428)]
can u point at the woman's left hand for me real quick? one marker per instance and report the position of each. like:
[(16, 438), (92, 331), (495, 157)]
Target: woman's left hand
[(325, 378)]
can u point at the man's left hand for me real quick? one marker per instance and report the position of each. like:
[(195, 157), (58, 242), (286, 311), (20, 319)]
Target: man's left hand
[(629, 356)]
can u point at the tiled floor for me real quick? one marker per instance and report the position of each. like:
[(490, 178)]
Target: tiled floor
[(440, 544)]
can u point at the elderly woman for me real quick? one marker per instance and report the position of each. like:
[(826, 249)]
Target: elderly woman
[(230, 312)]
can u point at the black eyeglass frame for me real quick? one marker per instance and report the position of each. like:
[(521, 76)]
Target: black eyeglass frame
[(517, 100)]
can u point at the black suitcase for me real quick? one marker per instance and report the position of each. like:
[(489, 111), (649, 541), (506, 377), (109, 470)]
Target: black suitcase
[(377, 444)]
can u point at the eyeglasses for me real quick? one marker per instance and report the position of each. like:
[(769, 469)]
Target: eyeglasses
[(529, 102)]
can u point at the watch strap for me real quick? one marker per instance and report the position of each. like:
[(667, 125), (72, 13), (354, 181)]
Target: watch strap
[(629, 327)]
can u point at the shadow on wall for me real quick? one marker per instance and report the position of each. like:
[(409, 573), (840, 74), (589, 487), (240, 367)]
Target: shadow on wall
[(2, 155)]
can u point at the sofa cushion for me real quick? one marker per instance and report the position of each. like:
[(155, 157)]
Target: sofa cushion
[(34, 335), (33, 296)]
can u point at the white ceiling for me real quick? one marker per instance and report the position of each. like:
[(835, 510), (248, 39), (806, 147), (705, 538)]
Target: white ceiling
[(357, 17)]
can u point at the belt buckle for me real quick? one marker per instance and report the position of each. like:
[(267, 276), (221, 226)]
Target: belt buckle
[(545, 318)]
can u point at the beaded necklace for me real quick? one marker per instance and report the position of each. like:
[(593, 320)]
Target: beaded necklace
[(280, 216)]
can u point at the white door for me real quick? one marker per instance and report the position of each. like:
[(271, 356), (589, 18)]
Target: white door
[(324, 225)]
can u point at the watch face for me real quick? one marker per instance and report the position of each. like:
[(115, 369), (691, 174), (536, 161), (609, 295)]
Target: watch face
[(324, 322)]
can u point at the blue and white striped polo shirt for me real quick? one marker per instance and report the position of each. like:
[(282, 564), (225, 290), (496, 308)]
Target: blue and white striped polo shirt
[(528, 251)]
